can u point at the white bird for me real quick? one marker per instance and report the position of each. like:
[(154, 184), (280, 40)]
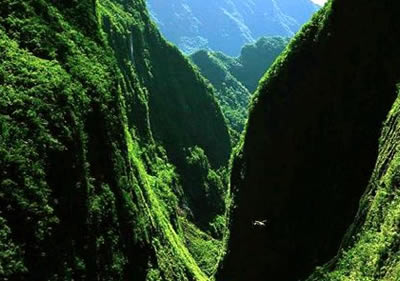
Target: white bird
[(260, 223)]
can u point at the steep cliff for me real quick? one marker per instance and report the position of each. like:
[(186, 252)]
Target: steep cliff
[(227, 25), (311, 142), (94, 171), (371, 247)]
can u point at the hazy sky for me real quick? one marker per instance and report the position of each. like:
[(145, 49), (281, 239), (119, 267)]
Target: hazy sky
[(320, 2)]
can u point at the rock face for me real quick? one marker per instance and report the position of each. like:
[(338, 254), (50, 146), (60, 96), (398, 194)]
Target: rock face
[(227, 25), (312, 141)]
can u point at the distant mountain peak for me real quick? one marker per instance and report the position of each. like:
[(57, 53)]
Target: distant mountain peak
[(227, 25)]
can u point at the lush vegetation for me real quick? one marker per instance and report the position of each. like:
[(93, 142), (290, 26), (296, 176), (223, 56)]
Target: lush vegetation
[(114, 149), (98, 139), (227, 25), (236, 78), (233, 97)]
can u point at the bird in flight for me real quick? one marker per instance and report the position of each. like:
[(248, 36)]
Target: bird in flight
[(262, 223)]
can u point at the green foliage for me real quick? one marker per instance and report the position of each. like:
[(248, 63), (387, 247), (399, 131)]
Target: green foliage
[(86, 191), (11, 262), (207, 192), (173, 258), (205, 249)]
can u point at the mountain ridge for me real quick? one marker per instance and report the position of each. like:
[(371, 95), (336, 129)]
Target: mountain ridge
[(235, 79), (227, 25)]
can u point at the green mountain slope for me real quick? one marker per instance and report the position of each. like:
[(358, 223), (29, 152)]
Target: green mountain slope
[(255, 59), (236, 78), (231, 94), (311, 144), (94, 178)]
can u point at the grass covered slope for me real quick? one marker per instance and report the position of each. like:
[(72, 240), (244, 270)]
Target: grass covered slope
[(371, 248), (86, 191), (311, 142), (236, 78)]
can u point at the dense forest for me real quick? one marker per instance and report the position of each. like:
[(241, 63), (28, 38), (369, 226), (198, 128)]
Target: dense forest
[(227, 25), (113, 150), (123, 159)]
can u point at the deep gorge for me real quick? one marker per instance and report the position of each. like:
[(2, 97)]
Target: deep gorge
[(123, 159)]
